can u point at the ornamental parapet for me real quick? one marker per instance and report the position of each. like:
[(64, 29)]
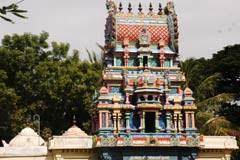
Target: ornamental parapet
[(112, 76), (144, 139), (142, 68), (150, 106), (177, 77), (190, 107), (148, 89), (173, 107), (63, 142), (116, 72), (115, 106)]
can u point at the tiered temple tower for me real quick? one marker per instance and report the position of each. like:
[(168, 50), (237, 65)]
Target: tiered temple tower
[(142, 102)]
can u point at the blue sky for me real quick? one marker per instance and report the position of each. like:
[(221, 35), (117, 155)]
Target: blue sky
[(205, 25)]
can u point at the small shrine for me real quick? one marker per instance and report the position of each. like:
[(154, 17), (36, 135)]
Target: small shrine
[(73, 143), (26, 145)]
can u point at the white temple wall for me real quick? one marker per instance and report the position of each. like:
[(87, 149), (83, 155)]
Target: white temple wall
[(71, 154), (214, 155), (24, 158)]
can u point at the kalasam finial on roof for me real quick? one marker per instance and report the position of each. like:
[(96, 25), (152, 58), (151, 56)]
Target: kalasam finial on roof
[(129, 7), (160, 9), (140, 8), (120, 7), (74, 121), (150, 7)]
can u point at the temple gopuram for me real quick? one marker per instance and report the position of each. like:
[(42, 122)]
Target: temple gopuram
[(142, 104), (144, 111)]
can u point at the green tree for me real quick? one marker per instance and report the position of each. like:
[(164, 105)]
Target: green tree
[(227, 63), (215, 83), (44, 79), (8, 99), (195, 70)]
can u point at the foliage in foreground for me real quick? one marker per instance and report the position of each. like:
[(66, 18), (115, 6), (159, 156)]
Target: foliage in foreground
[(39, 78), (216, 86), (12, 9)]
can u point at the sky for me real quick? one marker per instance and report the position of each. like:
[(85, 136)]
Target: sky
[(206, 26)]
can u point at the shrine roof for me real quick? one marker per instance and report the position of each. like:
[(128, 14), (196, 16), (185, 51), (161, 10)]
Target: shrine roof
[(75, 131), (129, 25), (73, 138), (26, 144), (149, 27), (27, 138)]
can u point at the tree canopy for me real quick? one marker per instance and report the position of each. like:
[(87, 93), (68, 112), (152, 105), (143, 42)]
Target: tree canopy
[(216, 86), (219, 74), (44, 79)]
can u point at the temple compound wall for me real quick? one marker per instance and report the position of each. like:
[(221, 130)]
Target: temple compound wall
[(75, 144)]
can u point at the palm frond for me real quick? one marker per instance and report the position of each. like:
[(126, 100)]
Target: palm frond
[(12, 9), (100, 46), (95, 59), (89, 56), (6, 19), (213, 103), (19, 15)]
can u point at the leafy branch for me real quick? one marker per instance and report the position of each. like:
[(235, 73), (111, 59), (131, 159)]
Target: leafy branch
[(12, 9)]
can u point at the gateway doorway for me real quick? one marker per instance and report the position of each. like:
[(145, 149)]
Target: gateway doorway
[(150, 122), (145, 61)]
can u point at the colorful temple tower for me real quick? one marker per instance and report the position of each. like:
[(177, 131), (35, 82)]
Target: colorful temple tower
[(143, 111)]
